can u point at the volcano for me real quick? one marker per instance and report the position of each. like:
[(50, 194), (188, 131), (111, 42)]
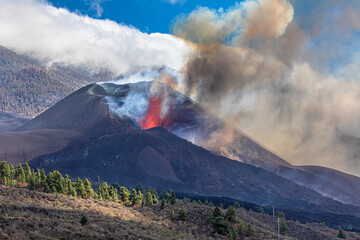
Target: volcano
[(148, 133)]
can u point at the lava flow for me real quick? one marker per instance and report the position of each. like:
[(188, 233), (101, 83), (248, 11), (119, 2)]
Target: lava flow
[(153, 114)]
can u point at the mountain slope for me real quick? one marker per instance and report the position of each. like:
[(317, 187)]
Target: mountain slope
[(9, 122), (117, 149), (28, 87), (189, 121)]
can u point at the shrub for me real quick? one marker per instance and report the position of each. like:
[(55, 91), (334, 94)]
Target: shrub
[(284, 229), (162, 204), (341, 234), (84, 221), (249, 230), (237, 205), (241, 227), (261, 210), (172, 215), (221, 226), (172, 198), (230, 214), (182, 214)]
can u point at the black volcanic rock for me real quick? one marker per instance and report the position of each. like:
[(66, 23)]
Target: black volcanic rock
[(115, 148), (117, 157)]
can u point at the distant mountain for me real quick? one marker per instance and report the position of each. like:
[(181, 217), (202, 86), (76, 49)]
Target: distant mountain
[(28, 87)]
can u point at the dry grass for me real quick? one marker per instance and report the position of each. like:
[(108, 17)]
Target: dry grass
[(25, 215)]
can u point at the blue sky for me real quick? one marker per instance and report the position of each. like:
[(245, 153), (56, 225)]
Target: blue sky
[(145, 15)]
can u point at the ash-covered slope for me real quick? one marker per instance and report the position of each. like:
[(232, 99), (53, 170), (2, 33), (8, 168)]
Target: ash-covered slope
[(186, 119), (116, 148), (158, 158), (9, 122), (94, 109)]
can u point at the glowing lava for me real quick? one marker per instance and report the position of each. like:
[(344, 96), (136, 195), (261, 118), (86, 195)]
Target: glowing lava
[(153, 114)]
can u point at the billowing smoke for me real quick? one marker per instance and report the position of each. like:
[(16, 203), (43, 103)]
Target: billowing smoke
[(149, 102), (263, 68)]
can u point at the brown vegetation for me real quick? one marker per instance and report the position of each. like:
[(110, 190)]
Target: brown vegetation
[(25, 214)]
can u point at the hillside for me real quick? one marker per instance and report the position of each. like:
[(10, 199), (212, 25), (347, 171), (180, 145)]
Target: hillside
[(28, 215), (97, 142), (28, 87), (9, 122)]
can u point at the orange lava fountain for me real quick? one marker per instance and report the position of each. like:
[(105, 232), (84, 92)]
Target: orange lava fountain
[(153, 116)]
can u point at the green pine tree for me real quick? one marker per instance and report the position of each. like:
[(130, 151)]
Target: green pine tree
[(236, 205), (155, 200), (261, 210), (87, 188), (172, 198), (163, 195), (234, 234), (284, 229), (124, 194), (241, 227), (27, 171), (172, 215), (139, 198), (341, 234), (43, 176), (221, 226), (53, 189), (249, 230), (105, 195), (182, 214), (79, 188), (7, 175), (20, 174), (163, 202), (149, 199), (230, 214), (2, 170), (280, 214), (217, 212), (12, 171), (113, 194), (32, 182), (133, 196)]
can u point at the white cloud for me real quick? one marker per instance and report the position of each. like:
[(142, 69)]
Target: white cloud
[(174, 1), (96, 5), (57, 35)]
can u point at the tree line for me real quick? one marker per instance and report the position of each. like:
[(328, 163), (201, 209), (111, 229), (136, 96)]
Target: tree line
[(54, 182)]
